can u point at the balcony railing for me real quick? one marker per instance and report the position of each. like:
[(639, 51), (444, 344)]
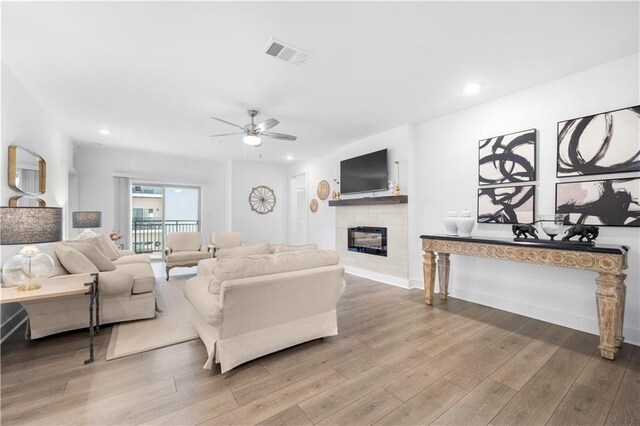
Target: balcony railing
[(147, 234)]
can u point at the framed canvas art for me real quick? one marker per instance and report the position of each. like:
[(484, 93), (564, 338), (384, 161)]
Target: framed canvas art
[(507, 204), (613, 202), (598, 144), (507, 159)]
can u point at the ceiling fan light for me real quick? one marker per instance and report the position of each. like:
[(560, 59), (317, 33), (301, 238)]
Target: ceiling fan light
[(252, 140)]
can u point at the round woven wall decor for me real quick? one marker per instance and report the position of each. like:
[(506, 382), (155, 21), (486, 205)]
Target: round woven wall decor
[(313, 205), (262, 199), (323, 190)]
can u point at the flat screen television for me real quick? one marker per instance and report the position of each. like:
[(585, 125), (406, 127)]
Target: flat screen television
[(365, 173)]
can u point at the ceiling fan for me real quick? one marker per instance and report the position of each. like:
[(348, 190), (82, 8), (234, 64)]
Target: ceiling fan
[(253, 133)]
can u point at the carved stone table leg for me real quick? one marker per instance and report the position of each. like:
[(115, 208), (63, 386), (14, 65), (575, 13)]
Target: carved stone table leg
[(623, 298), (610, 299), (429, 270), (443, 274)]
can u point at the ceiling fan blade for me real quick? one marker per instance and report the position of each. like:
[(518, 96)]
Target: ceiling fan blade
[(227, 122), (280, 136), (227, 134), (267, 124)]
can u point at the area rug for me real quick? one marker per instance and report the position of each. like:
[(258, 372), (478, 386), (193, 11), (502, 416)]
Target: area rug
[(169, 327)]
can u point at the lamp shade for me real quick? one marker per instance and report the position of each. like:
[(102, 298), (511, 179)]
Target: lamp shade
[(30, 225), (87, 219)]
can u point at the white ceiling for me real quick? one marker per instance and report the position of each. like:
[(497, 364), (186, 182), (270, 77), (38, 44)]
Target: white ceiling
[(153, 72)]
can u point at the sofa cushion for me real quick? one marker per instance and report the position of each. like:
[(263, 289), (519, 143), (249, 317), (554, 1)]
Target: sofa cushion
[(58, 269), (108, 247), (205, 266), (205, 303), (143, 279), (184, 241), (183, 256), (282, 248), (258, 248), (267, 264), (96, 257), (74, 261), (225, 240), (132, 258), (115, 282)]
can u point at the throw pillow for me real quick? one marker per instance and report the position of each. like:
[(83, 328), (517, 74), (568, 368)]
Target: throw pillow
[(258, 248), (74, 261), (108, 247), (58, 269), (96, 257)]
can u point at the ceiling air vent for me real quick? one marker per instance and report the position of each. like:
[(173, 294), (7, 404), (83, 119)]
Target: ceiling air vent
[(286, 52)]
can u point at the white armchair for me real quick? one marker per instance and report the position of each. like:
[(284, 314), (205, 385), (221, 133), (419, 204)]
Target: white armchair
[(225, 240), (185, 249)]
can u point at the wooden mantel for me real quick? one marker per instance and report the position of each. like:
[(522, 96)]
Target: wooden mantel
[(607, 261), (370, 201)]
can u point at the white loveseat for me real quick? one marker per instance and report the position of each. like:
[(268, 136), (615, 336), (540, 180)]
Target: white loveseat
[(126, 293), (254, 305)]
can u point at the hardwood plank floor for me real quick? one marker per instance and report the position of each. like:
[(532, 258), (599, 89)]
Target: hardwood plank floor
[(396, 361)]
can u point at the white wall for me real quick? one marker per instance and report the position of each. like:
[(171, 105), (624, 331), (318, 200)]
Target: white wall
[(245, 175), (25, 123), (446, 177), (97, 166), (322, 223)]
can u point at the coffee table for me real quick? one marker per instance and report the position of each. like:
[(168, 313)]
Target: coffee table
[(63, 286)]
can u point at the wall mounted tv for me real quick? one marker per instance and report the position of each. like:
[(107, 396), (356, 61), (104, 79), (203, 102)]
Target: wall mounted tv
[(365, 173)]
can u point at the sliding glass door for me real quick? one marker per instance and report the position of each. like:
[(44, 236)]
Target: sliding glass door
[(158, 210)]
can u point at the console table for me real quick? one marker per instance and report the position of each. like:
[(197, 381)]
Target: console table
[(608, 261), (68, 285)]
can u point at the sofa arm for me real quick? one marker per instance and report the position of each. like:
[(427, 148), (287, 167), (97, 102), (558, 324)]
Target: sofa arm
[(167, 251), (126, 252), (205, 248)]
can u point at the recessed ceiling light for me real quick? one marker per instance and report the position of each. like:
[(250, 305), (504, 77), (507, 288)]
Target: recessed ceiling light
[(471, 89), (104, 132), (289, 157)]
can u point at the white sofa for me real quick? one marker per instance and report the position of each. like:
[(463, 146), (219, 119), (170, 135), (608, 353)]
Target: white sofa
[(254, 305), (126, 293)]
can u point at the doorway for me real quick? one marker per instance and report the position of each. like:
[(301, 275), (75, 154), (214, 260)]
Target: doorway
[(157, 211), (299, 220)]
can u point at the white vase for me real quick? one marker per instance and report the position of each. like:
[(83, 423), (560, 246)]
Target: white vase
[(451, 222), (465, 223)]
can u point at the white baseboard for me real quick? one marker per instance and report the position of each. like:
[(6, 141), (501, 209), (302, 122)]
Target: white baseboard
[(416, 284), (565, 319), (376, 276)]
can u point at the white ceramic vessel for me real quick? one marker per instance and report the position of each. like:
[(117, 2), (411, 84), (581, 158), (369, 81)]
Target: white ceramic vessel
[(451, 222), (465, 223)]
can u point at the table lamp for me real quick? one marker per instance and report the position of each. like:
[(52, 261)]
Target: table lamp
[(28, 225), (86, 220)]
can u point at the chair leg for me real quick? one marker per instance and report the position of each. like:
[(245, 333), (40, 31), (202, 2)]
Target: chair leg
[(168, 268)]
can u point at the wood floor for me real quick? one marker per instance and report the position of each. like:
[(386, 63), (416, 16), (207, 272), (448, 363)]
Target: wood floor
[(395, 362)]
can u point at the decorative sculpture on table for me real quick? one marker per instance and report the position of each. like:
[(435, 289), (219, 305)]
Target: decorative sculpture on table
[(262, 199), (524, 231), (590, 232)]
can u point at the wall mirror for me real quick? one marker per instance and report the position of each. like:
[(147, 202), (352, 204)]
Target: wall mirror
[(27, 171), (26, 201)]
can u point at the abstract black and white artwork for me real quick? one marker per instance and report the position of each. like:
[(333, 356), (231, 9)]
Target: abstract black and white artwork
[(603, 143), (507, 159), (507, 204), (612, 202)]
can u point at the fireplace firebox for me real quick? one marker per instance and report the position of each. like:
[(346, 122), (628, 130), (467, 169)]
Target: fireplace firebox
[(367, 239)]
